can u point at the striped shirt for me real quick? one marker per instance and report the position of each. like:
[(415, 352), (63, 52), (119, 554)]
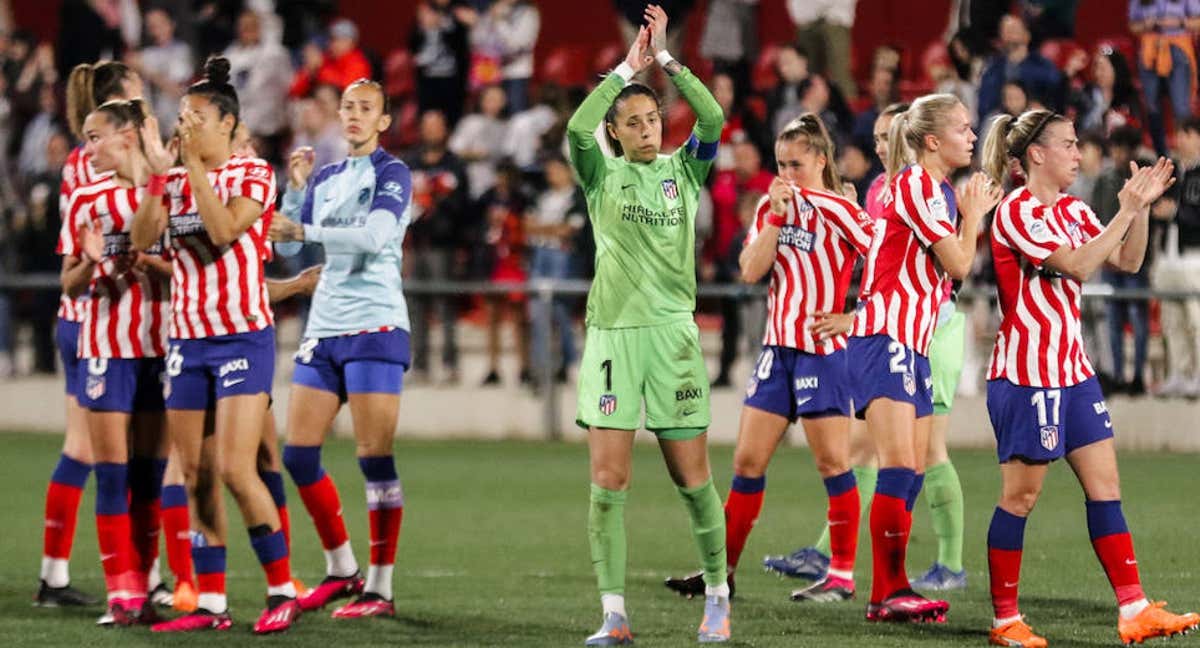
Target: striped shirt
[(1040, 343), (128, 312), (814, 260), (76, 172), (902, 284), (219, 290)]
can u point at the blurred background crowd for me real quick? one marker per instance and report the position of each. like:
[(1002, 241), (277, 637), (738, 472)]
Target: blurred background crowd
[(481, 91)]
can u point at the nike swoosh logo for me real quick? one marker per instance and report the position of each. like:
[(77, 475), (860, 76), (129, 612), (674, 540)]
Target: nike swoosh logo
[(896, 534), (1130, 562), (1108, 423), (801, 401), (1008, 584), (838, 522), (624, 187), (718, 551), (107, 557), (689, 412), (376, 543), (231, 383)]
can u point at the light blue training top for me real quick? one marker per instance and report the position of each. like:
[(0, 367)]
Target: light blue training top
[(358, 209)]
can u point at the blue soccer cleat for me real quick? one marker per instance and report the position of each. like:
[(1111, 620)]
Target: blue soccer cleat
[(715, 626), (614, 632), (807, 563), (940, 578)]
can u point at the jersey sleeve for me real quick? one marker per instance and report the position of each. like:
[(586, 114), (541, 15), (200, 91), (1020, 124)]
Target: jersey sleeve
[(257, 183), (760, 219), (393, 190), (921, 205), (586, 156), (700, 150), (68, 232), (849, 220), (1088, 221), (1021, 228)]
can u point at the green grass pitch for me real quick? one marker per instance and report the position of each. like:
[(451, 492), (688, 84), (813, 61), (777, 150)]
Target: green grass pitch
[(493, 553)]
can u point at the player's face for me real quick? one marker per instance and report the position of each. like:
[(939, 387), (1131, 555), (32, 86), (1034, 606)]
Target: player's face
[(213, 132), (1057, 154), (955, 141), (103, 142), (361, 114), (880, 133), (799, 163), (638, 128)]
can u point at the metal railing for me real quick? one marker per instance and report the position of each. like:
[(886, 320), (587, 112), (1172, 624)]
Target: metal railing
[(542, 293)]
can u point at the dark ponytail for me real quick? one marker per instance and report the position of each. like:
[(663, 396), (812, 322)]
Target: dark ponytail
[(216, 88)]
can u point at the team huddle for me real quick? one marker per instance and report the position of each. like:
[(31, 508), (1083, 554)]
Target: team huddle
[(167, 340)]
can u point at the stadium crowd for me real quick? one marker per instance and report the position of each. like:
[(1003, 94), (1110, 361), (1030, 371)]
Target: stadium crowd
[(497, 200)]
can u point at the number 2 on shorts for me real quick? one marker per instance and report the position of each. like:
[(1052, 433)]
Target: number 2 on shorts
[(606, 367), (896, 365)]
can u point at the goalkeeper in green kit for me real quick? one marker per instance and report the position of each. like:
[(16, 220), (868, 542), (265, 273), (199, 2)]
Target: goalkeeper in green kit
[(642, 342)]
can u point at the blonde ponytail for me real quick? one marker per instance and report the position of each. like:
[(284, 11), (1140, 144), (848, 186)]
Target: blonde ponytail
[(995, 149)]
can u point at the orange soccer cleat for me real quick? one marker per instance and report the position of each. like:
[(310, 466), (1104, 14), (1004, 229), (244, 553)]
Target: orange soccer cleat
[(1155, 621), (1018, 634), (185, 598)]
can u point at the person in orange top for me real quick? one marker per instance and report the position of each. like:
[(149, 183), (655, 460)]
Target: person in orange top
[(339, 66)]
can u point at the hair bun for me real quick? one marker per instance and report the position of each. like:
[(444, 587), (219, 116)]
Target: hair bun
[(216, 70)]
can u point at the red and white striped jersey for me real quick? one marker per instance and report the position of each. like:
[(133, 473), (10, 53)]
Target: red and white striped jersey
[(902, 284), (1039, 343), (76, 172), (128, 312), (219, 290), (814, 261)]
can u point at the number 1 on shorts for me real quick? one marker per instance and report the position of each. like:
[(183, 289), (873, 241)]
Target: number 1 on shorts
[(606, 367)]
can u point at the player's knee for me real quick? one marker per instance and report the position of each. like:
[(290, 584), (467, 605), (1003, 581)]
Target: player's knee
[(749, 464), (831, 466), (1020, 501), (610, 479)]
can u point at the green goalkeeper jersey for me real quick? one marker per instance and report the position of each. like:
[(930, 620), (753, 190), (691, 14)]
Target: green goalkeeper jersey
[(643, 214)]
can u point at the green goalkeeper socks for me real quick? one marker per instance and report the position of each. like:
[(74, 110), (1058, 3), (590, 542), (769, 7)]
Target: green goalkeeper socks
[(944, 494), (606, 535), (708, 527), (865, 476)]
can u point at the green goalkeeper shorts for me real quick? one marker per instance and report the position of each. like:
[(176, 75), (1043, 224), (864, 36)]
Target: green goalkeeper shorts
[(946, 360), (660, 365)]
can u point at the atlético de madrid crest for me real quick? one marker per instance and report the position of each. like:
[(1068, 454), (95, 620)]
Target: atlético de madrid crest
[(608, 404), (670, 189)]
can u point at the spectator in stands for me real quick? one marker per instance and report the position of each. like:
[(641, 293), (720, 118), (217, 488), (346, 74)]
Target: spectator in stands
[(741, 124), (37, 71), (526, 136), (783, 103), (319, 127), (166, 65), (439, 47), (552, 228), (1178, 267), (1091, 164), (952, 73), (500, 252), (1050, 18), (478, 140), (506, 34), (45, 124), (1167, 56), (730, 38), (261, 72), (881, 93), (339, 66), (823, 30), (1123, 145), (746, 176), (1017, 62), (441, 198), (738, 314), (1014, 99), (87, 32), (1109, 100), (36, 233), (818, 97)]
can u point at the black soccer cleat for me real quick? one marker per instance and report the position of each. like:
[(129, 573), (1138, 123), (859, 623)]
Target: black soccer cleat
[(692, 585), (66, 596)]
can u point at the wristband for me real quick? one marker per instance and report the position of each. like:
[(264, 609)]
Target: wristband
[(776, 219), (157, 185), (625, 71), (663, 57)]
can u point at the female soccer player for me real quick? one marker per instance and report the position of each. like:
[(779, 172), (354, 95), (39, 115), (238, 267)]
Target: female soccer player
[(916, 246), (808, 237), (642, 343), (1043, 397), (355, 346), (215, 209), (88, 86), (121, 346)]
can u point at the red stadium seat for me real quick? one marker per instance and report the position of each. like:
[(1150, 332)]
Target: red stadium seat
[(609, 57), (399, 74), (405, 132), (567, 66), (764, 77)]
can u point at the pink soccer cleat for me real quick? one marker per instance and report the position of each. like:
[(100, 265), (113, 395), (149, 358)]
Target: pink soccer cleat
[(332, 588), (908, 606), (281, 613), (366, 605), (198, 620)]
